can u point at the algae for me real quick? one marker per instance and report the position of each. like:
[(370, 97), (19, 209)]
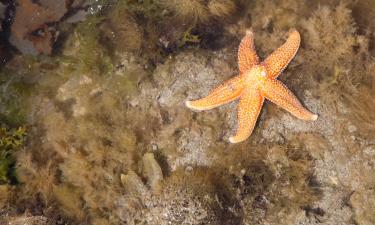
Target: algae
[(13, 93), (110, 141), (91, 55), (11, 140)]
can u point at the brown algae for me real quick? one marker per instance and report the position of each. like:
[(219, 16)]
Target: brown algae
[(109, 140)]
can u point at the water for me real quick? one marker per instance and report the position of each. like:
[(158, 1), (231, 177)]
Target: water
[(100, 86)]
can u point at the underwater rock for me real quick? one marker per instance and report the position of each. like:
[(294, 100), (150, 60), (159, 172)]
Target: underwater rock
[(188, 200), (133, 184), (136, 198), (5, 192), (152, 171), (177, 79), (288, 172), (4, 51), (26, 220), (72, 90), (2, 13), (30, 32), (332, 208), (363, 203), (79, 16), (33, 30)]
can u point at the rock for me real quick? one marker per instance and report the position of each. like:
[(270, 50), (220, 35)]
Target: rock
[(184, 77), (76, 90), (27, 220), (288, 172), (30, 32), (4, 195), (152, 171), (79, 16), (33, 30), (363, 203), (133, 184), (2, 12)]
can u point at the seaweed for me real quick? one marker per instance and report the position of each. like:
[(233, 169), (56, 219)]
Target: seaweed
[(103, 121), (10, 141), (188, 37), (200, 12), (121, 29), (13, 98), (89, 56), (148, 9)]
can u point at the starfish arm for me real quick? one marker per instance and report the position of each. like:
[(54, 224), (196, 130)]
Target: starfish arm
[(247, 56), (249, 108), (278, 93), (282, 56), (226, 92)]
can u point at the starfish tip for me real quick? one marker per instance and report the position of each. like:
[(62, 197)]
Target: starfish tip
[(293, 30), (314, 117), (233, 140), (249, 32), (188, 104)]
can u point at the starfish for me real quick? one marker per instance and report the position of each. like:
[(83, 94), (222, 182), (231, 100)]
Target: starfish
[(257, 81)]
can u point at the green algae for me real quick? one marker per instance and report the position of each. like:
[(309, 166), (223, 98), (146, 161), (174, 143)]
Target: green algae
[(14, 92), (97, 112), (11, 140), (85, 51), (188, 37), (145, 8), (91, 56)]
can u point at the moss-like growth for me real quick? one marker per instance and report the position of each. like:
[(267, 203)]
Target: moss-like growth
[(195, 21), (10, 140), (188, 37), (69, 200), (194, 11), (198, 11), (88, 54), (121, 29), (222, 8), (144, 8), (93, 122), (13, 98)]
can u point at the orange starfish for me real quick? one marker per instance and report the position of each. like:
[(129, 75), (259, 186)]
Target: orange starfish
[(256, 82)]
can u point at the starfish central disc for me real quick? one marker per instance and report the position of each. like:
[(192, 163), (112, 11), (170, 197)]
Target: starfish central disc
[(257, 81)]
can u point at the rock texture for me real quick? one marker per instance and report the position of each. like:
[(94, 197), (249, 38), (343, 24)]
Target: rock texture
[(34, 29)]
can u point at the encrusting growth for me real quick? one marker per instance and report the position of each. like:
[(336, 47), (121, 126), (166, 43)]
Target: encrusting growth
[(256, 82)]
